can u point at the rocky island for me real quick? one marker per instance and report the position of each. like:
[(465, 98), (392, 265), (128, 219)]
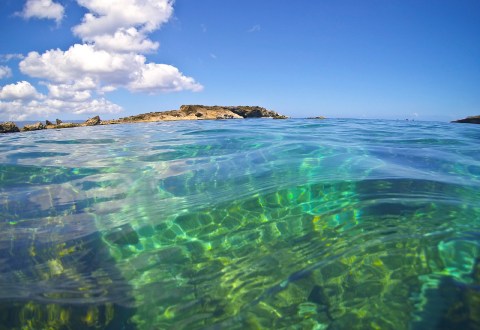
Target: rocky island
[(186, 112), (468, 120)]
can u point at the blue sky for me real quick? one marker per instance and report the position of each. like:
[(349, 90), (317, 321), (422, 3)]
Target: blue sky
[(364, 59)]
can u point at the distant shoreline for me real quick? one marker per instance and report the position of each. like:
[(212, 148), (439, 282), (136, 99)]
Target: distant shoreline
[(186, 112)]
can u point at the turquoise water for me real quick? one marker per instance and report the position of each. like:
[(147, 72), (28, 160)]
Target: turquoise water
[(248, 224)]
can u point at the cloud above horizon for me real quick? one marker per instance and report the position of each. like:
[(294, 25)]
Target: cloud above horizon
[(43, 9), (5, 72), (112, 56)]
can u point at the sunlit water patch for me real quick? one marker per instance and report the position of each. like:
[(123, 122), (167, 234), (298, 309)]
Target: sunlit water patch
[(251, 224)]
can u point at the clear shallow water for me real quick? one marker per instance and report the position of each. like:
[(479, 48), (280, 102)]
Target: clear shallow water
[(252, 224)]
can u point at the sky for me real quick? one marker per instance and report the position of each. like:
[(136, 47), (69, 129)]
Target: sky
[(386, 59)]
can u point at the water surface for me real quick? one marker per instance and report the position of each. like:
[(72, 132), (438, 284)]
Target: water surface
[(248, 224)]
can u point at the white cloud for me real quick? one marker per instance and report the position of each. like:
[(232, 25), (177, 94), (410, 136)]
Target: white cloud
[(21, 109), (115, 37), (122, 25), (103, 68), (106, 17), (43, 9), (5, 72), (125, 40), (8, 57), (22, 90), (68, 92), (21, 100), (80, 62), (162, 77), (96, 106)]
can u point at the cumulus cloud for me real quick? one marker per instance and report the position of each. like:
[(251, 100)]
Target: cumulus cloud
[(21, 101), (100, 67), (22, 90), (43, 9), (111, 57), (78, 62), (122, 25), (154, 77), (125, 40), (5, 72), (21, 110), (106, 17), (68, 92), (8, 57)]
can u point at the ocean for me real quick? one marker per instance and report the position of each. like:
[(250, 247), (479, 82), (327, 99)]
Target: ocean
[(241, 224)]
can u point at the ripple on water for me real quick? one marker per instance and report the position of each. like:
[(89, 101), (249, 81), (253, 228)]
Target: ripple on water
[(241, 224)]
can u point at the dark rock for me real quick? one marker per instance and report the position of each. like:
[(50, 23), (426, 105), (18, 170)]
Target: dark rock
[(35, 127), (469, 120), (92, 121), (198, 114), (318, 117), (48, 123), (58, 121), (8, 127)]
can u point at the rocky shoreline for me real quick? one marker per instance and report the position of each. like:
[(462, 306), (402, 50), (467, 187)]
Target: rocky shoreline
[(186, 112), (468, 120)]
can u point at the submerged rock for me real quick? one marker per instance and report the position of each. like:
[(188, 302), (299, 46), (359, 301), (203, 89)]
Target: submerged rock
[(8, 127), (34, 127), (468, 120)]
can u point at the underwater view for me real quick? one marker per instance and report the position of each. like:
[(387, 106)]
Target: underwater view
[(241, 224)]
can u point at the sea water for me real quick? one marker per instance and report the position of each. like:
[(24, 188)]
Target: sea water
[(241, 224)]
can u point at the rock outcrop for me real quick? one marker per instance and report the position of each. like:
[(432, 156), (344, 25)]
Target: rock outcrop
[(67, 125), (92, 121), (186, 112), (318, 117), (8, 127), (468, 120), (200, 112), (50, 125), (35, 127), (241, 111)]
